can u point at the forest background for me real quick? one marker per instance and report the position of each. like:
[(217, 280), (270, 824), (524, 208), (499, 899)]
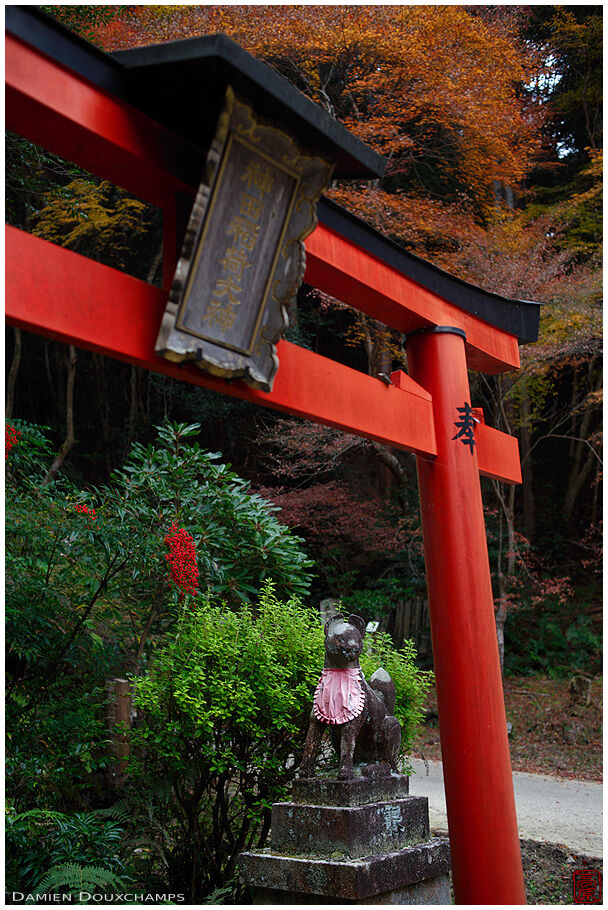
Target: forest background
[(490, 118)]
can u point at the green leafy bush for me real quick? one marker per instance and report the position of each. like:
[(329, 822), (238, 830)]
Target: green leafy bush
[(224, 706), (378, 600), (551, 642), (27, 461), (411, 684), (88, 592), (53, 851), (240, 544), (57, 752), (224, 710)]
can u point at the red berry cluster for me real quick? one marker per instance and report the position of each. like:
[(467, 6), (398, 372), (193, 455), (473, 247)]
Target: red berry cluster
[(182, 560), (86, 511), (11, 438)]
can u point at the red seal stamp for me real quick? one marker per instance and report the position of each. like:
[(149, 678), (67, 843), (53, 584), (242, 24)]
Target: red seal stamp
[(587, 886)]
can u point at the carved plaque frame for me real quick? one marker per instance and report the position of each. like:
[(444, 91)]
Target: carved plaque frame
[(243, 256)]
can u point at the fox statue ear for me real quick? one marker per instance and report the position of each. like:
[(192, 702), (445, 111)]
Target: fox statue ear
[(337, 617), (358, 623)]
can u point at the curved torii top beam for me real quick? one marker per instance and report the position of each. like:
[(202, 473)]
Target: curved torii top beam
[(80, 103)]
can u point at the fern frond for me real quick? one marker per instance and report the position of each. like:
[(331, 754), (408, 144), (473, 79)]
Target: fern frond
[(49, 814), (219, 896), (77, 878), (122, 811)]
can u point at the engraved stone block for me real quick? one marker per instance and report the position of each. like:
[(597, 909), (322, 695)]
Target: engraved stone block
[(351, 831)]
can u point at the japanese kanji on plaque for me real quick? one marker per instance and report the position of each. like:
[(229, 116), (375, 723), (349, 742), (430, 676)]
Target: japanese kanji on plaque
[(243, 254)]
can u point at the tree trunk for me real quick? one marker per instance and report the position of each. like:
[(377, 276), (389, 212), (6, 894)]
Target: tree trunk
[(390, 461), (501, 616), (119, 719), (596, 490), (584, 455), (527, 470), (136, 404), (578, 477), (11, 381), (379, 361), (69, 419), (132, 404), (573, 403), (49, 372), (103, 406), (504, 573)]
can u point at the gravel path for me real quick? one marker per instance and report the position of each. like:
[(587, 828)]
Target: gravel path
[(549, 809)]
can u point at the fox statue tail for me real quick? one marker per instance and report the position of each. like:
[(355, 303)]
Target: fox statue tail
[(384, 687)]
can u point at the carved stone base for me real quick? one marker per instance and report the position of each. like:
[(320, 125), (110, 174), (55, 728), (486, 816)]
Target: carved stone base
[(359, 791), (431, 891), (373, 848)]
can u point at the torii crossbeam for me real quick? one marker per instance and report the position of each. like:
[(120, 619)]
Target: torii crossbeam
[(83, 105)]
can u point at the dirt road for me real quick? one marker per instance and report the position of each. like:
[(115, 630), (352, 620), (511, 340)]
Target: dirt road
[(549, 809)]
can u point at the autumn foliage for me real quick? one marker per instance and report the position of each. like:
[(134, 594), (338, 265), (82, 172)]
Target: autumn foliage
[(434, 89)]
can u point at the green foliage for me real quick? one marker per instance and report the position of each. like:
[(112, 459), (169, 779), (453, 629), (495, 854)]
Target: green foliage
[(101, 221), (59, 566), (574, 36), (27, 462), (224, 710), (52, 851), (61, 202), (74, 879), (56, 740), (240, 679), (33, 176), (240, 544), (69, 574), (378, 600), (411, 684), (87, 595), (551, 642)]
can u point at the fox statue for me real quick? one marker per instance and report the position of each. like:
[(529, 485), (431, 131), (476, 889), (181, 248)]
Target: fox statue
[(359, 715)]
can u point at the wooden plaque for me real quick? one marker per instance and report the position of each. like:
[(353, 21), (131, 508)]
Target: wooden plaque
[(243, 256)]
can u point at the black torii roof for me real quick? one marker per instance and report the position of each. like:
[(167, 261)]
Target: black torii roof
[(181, 84), (517, 317)]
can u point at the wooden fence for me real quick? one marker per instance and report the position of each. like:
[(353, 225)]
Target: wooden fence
[(409, 619)]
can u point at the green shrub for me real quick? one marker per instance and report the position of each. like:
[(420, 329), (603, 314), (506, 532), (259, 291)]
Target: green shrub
[(53, 851), (223, 714), (222, 711), (551, 642), (239, 542), (411, 684), (88, 593), (57, 743), (378, 600)]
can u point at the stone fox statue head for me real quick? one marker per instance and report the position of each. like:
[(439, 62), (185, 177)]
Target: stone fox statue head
[(359, 715)]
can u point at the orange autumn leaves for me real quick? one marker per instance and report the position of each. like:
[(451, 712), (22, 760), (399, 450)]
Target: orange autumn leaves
[(434, 88)]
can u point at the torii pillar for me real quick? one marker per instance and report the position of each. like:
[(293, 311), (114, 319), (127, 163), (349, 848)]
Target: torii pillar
[(484, 840)]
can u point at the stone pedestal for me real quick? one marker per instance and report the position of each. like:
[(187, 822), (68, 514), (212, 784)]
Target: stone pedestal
[(360, 841)]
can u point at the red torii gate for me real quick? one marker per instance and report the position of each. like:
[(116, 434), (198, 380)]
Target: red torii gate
[(66, 96)]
